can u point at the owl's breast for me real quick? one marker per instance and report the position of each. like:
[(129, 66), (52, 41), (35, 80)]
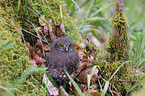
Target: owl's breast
[(60, 61)]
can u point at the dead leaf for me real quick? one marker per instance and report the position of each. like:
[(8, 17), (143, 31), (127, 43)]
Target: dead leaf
[(45, 30), (62, 28), (38, 44), (46, 47), (82, 65), (83, 55), (30, 48), (34, 62), (38, 59), (51, 89), (87, 71), (115, 93), (94, 92), (40, 31), (77, 47), (58, 32), (51, 32), (42, 20)]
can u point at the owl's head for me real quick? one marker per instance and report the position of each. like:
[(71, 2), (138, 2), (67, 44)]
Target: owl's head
[(63, 45)]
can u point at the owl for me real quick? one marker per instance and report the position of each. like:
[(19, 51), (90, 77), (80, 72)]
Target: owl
[(62, 55)]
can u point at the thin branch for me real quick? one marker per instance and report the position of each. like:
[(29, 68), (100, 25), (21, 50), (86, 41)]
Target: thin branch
[(33, 35), (100, 85), (38, 83), (111, 85), (111, 91), (23, 38), (76, 4), (61, 10), (129, 80)]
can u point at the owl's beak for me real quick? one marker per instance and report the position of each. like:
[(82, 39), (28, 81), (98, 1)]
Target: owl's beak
[(66, 49)]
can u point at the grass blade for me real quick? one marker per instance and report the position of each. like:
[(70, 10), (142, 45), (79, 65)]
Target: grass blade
[(3, 42), (74, 84), (102, 8), (118, 69), (105, 88)]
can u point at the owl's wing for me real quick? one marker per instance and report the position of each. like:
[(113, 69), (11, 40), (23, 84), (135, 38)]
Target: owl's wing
[(76, 60), (48, 60), (73, 62)]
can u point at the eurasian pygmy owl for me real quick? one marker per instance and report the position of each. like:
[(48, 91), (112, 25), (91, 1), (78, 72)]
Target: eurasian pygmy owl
[(62, 55)]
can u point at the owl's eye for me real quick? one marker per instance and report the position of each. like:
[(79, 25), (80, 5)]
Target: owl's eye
[(61, 46), (69, 46)]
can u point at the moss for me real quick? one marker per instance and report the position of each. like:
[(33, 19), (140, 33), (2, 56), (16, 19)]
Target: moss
[(32, 10), (118, 40), (108, 68), (119, 21), (115, 53), (15, 60)]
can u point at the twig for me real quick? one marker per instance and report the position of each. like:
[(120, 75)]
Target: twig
[(100, 85), (38, 83), (129, 80), (76, 4), (111, 91), (33, 35), (111, 85), (104, 71), (23, 38), (61, 9), (26, 44)]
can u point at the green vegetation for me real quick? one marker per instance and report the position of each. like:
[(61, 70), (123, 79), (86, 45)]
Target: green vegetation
[(20, 77)]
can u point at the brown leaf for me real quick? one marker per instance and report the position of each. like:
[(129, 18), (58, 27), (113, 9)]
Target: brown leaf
[(30, 48), (94, 92), (34, 62), (38, 52), (42, 19), (87, 71), (83, 55), (62, 28), (46, 47), (59, 32), (77, 47), (40, 30), (45, 30), (82, 65), (115, 93), (38, 44), (38, 59), (51, 32)]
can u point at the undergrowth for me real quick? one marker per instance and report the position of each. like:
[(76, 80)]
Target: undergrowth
[(18, 74)]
